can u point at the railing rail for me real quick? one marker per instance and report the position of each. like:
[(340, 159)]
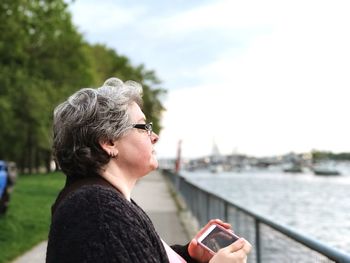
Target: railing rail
[(272, 242)]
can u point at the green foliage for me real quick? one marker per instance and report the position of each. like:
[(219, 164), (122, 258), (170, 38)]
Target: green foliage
[(28, 218), (107, 62), (43, 59), (36, 36), (321, 155)]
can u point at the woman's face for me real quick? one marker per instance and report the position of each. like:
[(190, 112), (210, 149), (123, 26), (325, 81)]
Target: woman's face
[(135, 149)]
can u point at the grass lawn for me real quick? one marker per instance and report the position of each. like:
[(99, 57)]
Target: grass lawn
[(27, 220)]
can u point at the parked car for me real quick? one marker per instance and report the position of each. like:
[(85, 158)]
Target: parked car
[(8, 175)]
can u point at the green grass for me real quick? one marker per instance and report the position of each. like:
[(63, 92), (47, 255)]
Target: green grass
[(27, 220)]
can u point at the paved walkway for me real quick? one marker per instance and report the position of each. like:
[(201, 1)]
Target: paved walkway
[(153, 195)]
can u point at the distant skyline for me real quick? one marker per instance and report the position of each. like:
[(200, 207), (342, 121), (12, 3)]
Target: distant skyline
[(255, 77)]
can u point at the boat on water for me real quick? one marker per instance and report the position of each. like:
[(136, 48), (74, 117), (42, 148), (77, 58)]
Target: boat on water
[(325, 170), (293, 169), (216, 168), (293, 166)]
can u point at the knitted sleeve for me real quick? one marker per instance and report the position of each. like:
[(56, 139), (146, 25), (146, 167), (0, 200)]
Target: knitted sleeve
[(95, 224), (183, 252)]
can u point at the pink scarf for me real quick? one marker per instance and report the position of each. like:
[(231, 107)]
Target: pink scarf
[(172, 255)]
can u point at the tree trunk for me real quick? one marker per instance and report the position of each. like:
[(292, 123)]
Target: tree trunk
[(37, 160), (47, 157), (30, 152)]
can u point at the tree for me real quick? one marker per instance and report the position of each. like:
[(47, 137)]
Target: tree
[(107, 63), (43, 59)]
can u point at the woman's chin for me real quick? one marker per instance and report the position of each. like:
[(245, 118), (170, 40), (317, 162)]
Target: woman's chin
[(154, 165)]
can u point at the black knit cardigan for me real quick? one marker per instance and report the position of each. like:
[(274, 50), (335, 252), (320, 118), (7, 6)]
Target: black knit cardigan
[(93, 222)]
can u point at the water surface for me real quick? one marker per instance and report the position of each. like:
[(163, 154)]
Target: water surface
[(317, 206)]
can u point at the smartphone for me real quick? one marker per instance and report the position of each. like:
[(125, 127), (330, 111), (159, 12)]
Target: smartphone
[(216, 237)]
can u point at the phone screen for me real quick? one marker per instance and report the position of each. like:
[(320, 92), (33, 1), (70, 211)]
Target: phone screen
[(218, 239)]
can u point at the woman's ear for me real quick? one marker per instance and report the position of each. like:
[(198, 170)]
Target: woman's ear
[(109, 147)]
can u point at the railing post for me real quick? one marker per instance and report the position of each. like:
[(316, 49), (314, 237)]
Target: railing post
[(208, 207), (257, 240), (177, 182)]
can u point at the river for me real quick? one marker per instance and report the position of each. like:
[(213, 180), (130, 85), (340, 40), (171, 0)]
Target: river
[(318, 206)]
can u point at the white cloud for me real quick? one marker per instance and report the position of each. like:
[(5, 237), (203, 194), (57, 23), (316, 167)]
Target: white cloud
[(266, 76), (222, 15), (96, 18), (286, 91)]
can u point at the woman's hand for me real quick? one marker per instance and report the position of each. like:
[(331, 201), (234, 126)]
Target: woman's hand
[(237, 252), (202, 255)]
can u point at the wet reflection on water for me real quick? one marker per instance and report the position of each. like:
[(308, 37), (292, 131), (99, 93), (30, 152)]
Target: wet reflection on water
[(314, 205)]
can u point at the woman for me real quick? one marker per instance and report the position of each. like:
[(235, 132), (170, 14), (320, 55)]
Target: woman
[(103, 145)]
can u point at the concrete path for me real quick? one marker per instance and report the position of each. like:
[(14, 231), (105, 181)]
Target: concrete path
[(36, 254), (153, 195)]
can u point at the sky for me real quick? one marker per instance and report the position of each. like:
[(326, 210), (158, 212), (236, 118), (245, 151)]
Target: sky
[(253, 77)]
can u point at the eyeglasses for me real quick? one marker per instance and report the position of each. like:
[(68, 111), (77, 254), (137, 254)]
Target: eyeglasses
[(147, 127)]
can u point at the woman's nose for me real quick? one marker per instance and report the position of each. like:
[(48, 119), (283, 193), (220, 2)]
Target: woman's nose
[(154, 137)]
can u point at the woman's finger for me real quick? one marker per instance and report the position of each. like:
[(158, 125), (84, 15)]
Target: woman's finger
[(235, 246), (219, 222), (247, 246)]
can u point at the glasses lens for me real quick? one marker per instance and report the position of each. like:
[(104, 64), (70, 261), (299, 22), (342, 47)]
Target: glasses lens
[(148, 127)]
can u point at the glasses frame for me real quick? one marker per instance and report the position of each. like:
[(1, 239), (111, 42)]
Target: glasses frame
[(144, 126)]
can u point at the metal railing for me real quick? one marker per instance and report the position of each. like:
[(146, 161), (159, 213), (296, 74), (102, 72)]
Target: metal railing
[(271, 242)]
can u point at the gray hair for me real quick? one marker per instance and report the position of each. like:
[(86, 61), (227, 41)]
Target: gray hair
[(88, 117)]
